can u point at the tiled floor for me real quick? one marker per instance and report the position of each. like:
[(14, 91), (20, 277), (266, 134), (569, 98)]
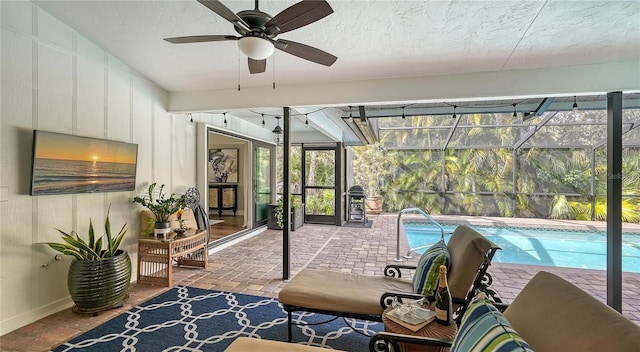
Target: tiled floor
[(254, 266)]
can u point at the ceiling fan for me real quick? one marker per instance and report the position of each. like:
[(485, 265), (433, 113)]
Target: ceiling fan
[(259, 30)]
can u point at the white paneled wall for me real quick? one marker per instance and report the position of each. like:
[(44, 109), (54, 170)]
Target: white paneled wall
[(55, 79)]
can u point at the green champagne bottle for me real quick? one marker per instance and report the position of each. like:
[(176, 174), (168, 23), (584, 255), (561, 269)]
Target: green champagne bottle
[(444, 306)]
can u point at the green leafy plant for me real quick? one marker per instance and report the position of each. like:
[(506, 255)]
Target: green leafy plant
[(161, 206), (371, 168), (91, 249), (279, 211)]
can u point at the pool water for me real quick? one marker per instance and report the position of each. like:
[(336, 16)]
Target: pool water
[(549, 247)]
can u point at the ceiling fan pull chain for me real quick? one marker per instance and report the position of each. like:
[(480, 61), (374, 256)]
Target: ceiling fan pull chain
[(239, 70), (274, 70)]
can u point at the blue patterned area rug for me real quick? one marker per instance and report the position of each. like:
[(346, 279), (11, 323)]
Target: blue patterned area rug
[(192, 319)]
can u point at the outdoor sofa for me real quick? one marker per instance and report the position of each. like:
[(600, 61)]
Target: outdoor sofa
[(247, 344)]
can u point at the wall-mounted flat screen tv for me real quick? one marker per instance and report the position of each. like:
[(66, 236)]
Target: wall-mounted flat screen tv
[(63, 164)]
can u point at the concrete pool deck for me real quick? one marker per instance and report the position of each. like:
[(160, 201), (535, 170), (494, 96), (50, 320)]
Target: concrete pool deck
[(254, 266)]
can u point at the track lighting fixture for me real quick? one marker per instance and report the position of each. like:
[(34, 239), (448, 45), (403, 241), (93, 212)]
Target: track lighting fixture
[(575, 103), (350, 114), (515, 113), (263, 124), (403, 113), (225, 119), (306, 121), (454, 112)]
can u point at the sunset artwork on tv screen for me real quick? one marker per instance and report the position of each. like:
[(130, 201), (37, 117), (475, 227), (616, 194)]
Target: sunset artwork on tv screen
[(65, 163)]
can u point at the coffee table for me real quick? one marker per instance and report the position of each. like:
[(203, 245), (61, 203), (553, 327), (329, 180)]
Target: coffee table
[(156, 255)]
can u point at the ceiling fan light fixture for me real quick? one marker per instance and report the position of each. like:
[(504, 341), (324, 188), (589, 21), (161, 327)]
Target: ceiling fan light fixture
[(255, 47)]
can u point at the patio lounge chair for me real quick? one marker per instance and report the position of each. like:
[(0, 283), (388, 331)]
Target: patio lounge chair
[(365, 297)]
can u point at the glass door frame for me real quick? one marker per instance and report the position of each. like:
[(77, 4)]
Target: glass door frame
[(334, 219), (271, 184)]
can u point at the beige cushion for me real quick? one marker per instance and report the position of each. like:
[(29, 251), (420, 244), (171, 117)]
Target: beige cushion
[(341, 292), (468, 249), (552, 314), (246, 344), (147, 219)]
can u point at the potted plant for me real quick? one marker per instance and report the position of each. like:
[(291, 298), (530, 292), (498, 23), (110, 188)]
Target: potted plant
[(278, 212), (161, 206), (100, 272)]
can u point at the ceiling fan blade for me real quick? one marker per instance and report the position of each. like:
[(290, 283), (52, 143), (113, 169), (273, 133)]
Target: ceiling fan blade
[(224, 12), (300, 14), (257, 66), (306, 52), (200, 39)]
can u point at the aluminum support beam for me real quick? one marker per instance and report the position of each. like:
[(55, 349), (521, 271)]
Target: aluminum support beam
[(286, 196), (614, 200), (533, 131), (626, 128), (592, 194)]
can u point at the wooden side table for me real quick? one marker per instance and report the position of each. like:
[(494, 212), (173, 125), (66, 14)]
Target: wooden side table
[(156, 255), (432, 329)]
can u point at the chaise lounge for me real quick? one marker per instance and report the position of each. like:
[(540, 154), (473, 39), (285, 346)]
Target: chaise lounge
[(366, 296)]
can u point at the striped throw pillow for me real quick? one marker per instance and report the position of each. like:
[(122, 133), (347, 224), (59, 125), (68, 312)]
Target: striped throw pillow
[(425, 280), (484, 328)]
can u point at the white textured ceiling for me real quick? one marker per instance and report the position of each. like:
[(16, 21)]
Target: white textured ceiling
[(372, 39), (375, 41)]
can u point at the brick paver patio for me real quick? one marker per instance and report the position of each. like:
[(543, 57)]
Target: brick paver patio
[(254, 266)]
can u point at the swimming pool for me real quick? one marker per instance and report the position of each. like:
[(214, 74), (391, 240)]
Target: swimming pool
[(550, 247)]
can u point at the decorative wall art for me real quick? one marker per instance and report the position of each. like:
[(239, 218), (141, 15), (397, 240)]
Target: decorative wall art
[(64, 163), (223, 165)]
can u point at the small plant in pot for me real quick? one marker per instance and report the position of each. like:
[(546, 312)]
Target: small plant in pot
[(161, 206), (279, 210), (100, 274)]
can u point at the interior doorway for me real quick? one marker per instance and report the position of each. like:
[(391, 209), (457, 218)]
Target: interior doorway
[(227, 174), (239, 183)]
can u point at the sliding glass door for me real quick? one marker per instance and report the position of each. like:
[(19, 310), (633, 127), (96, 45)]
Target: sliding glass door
[(262, 183)]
